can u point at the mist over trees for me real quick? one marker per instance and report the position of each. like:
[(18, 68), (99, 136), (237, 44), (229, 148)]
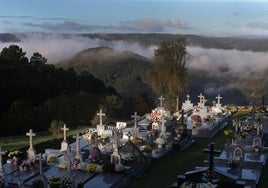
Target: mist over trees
[(169, 75), (34, 93)]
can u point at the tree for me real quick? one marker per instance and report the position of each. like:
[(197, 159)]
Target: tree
[(37, 59), (13, 54), (55, 128), (169, 76)]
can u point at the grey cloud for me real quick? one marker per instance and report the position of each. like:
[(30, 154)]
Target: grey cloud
[(22, 17), (260, 25), (154, 25)]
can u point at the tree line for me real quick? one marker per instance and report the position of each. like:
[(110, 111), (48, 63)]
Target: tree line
[(34, 94)]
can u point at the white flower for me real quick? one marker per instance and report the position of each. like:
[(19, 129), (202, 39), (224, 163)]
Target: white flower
[(128, 156), (160, 141)]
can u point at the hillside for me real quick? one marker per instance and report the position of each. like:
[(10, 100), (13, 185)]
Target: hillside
[(125, 71)]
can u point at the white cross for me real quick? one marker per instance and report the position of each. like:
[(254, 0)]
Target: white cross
[(188, 97), (100, 114), (161, 101), (65, 129), (135, 116), (31, 134), (1, 163), (219, 99), (201, 97)]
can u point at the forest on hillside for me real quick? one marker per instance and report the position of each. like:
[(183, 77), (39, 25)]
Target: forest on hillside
[(34, 93)]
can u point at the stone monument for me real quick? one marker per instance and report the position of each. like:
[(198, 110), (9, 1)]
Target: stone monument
[(64, 143), (31, 151)]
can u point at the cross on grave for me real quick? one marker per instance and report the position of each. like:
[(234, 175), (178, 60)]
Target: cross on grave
[(65, 129), (2, 173), (187, 97), (31, 152), (78, 137), (135, 116), (161, 101), (200, 97), (42, 177), (100, 114), (31, 134), (219, 99), (129, 135), (211, 151)]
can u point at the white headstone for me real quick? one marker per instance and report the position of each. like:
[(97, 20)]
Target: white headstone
[(100, 115), (187, 105), (64, 143), (115, 157), (65, 129), (78, 137), (31, 152), (163, 130)]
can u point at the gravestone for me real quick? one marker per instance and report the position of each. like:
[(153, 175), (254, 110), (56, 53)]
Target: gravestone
[(135, 116), (64, 143), (78, 137), (163, 130), (115, 157), (31, 151), (218, 105), (187, 105)]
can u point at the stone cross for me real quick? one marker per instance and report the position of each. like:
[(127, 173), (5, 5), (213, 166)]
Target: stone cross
[(211, 151), (77, 153), (219, 99), (200, 98), (65, 129), (31, 134), (135, 116), (161, 101), (100, 114), (2, 173), (214, 103), (187, 97)]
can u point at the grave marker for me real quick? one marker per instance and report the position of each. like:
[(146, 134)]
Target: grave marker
[(31, 152)]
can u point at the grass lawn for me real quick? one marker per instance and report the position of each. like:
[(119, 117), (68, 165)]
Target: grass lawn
[(163, 173), (16, 142)]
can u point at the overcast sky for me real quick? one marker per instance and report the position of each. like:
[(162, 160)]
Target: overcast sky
[(212, 17)]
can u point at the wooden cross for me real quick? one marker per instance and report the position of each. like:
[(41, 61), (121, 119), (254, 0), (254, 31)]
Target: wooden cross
[(211, 151), (219, 99), (161, 101), (100, 114), (65, 129), (31, 134), (1, 164), (135, 116)]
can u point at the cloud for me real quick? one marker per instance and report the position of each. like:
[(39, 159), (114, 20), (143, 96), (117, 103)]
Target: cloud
[(141, 25), (218, 62), (259, 25), (154, 25), (58, 47)]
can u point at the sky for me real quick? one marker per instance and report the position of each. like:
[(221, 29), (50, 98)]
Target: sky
[(210, 18)]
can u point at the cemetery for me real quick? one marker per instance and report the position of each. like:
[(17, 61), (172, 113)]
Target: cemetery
[(111, 156)]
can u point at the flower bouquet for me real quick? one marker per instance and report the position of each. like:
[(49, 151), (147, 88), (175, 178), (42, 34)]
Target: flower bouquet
[(244, 134), (229, 133), (24, 166), (66, 183), (128, 157), (160, 141), (54, 182), (63, 165), (108, 167), (91, 167)]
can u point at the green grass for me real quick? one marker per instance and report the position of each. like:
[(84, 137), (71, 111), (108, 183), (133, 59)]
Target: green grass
[(10, 143)]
